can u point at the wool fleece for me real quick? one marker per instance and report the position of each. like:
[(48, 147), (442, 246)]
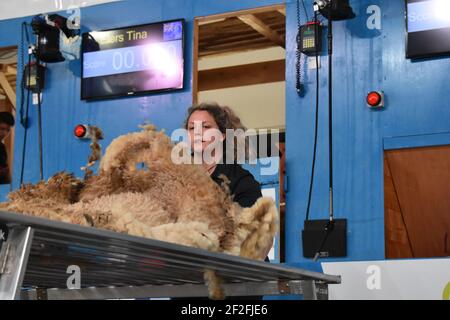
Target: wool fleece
[(166, 201)]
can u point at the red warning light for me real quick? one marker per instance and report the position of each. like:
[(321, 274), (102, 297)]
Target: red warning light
[(80, 131), (375, 99)]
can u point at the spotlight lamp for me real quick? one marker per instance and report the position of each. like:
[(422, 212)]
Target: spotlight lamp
[(334, 9)]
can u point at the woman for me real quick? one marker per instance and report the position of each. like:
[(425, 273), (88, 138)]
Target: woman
[(210, 116), (243, 187)]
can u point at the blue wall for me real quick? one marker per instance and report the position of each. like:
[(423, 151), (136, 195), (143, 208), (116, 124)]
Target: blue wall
[(417, 95), (62, 108), (364, 60)]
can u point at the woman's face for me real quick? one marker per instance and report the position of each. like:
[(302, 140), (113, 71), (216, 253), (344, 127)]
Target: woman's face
[(199, 123)]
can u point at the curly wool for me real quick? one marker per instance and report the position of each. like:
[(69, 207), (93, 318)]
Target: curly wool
[(177, 203)]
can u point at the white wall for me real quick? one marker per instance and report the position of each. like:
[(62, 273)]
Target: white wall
[(258, 106), (22, 8), (416, 279)]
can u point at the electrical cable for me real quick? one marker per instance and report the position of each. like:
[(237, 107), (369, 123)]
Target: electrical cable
[(330, 108), (311, 182), (304, 9), (330, 224), (41, 162), (24, 34), (25, 120), (298, 55)]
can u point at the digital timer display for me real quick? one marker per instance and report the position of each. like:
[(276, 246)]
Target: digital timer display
[(133, 60)]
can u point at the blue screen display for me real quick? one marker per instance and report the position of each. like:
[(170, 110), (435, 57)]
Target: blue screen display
[(428, 15), (428, 23), (132, 60)]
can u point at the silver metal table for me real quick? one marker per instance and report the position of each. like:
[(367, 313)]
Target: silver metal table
[(40, 258)]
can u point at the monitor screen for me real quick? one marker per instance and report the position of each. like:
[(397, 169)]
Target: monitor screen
[(133, 60), (428, 27)]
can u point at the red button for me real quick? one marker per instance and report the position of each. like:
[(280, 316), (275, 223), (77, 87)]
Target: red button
[(80, 131), (373, 98)]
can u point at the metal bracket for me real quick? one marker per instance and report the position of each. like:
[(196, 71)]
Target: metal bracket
[(13, 262), (314, 290), (41, 294), (4, 253), (4, 231), (283, 287), (309, 290)]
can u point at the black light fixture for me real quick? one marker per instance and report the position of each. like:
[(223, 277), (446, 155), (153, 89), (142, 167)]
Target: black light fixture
[(48, 45), (47, 28), (334, 9)]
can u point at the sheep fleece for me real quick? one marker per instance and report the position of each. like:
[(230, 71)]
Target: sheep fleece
[(171, 202)]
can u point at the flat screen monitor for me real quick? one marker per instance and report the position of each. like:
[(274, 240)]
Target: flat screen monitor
[(428, 28), (133, 60)]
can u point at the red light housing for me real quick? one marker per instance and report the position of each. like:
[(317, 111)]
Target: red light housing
[(80, 131), (375, 99)]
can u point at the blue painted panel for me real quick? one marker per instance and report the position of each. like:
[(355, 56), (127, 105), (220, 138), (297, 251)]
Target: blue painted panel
[(417, 98), (417, 141), (417, 104), (62, 108)]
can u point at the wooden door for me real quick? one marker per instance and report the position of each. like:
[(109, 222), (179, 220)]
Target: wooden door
[(417, 202)]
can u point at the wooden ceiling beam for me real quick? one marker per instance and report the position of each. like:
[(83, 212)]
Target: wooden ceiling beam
[(238, 34), (237, 46), (230, 37), (8, 89), (262, 28), (236, 13), (242, 75), (235, 42), (10, 70), (205, 22), (235, 25), (239, 49)]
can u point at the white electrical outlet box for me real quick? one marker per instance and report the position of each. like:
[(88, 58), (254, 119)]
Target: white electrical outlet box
[(312, 63)]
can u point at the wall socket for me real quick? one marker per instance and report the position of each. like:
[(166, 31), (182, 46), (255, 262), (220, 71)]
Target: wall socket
[(312, 63), (35, 98)]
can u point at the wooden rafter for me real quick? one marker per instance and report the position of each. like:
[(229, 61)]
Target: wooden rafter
[(242, 48), (262, 28), (202, 23), (242, 75), (233, 14), (230, 46), (8, 89), (226, 33), (282, 11), (10, 70)]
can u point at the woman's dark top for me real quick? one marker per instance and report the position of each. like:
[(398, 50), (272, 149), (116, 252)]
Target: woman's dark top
[(4, 173), (243, 186)]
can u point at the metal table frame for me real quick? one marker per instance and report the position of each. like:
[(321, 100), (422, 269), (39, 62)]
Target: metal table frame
[(35, 257)]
